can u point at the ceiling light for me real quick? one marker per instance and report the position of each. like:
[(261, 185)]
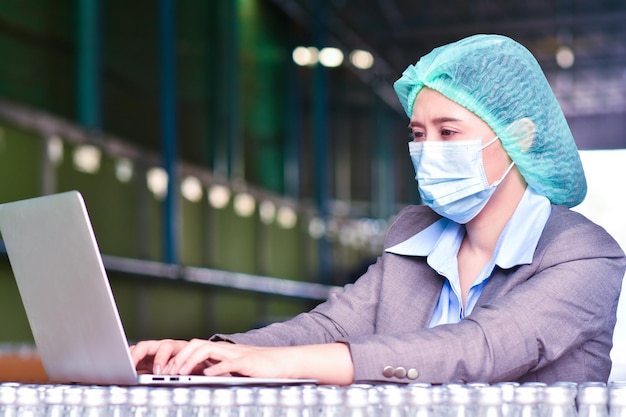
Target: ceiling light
[(305, 56), (87, 158), (267, 212), (244, 204), (565, 57), (361, 59), (219, 196), (317, 228), (55, 149), (330, 57), (191, 189), (157, 182), (124, 169), (286, 217)]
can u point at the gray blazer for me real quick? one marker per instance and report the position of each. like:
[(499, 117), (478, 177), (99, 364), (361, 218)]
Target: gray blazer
[(549, 321)]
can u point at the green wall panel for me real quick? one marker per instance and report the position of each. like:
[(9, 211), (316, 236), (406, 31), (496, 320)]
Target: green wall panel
[(193, 231), (112, 205), (38, 46), (282, 252), (234, 241), (20, 160)]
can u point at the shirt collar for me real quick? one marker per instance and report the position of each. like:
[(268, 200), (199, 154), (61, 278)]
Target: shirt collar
[(516, 245)]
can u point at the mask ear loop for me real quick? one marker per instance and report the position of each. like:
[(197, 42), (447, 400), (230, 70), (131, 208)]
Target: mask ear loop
[(489, 143), (497, 182), (523, 131), (506, 172)]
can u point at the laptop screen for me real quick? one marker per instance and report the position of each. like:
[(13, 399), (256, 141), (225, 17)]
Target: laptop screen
[(65, 291)]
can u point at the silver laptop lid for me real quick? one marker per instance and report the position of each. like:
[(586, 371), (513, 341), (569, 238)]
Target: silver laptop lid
[(65, 291)]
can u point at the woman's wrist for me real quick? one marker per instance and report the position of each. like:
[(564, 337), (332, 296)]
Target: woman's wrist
[(329, 363)]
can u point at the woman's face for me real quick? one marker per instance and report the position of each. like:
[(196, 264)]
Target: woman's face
[(437, 118)]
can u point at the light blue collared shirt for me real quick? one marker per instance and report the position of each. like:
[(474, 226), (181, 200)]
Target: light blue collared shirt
[(440, 243)]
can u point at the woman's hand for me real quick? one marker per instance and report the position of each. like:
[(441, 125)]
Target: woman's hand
[(328, 363), (153, 355)]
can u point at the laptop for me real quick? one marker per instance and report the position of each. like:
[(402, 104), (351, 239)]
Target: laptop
[(68, 300)]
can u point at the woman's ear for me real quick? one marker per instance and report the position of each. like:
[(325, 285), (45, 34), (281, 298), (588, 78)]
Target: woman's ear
[(522, 132)]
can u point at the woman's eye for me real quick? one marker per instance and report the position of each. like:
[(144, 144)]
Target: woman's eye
[(446, 132), (416, 135)]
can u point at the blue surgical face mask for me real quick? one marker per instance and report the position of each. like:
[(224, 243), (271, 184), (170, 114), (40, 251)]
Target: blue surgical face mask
[(451, 177)]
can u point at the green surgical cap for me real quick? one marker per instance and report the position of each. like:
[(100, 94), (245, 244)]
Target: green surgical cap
[(500, 81)]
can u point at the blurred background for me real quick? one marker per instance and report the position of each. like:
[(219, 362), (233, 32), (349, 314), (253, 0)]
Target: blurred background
[(242, 158)]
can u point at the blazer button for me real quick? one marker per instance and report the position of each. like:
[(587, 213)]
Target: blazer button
[(412, 373), (400, 372), (388, 371)]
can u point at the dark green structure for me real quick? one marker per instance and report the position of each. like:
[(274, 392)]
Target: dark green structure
[(240, 113)]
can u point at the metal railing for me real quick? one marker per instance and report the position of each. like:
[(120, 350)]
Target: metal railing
[(214, 277)]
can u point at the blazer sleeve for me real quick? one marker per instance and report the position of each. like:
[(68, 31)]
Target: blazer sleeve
[(348, 312), (557, 312)]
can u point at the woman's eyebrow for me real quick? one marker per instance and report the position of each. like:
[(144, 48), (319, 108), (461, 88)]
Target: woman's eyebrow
[(436, 120)]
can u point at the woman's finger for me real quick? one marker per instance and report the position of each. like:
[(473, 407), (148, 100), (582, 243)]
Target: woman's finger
[(164, 352), (179, 362)]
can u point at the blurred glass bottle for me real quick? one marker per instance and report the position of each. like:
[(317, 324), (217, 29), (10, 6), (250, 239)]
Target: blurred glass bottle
[(617, 399), (27, 402), (356, 402), (180, 402), (489, 402), (138, 401), (267, 402), (508, 394), (73, 401), (160, 403), (593, 400), (420, 401), (245, 402), (526, 402), (8, 396), (118, 402), (330, 400), (200, 402), (393, 401), (53, 401), (290, 402), (558, 401), (460, 401), (95, 401), (224, 404)]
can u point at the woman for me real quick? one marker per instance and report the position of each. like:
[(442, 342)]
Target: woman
[(493, 279)]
